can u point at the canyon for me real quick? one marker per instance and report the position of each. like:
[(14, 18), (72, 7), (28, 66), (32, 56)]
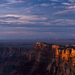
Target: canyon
[(41, 59)]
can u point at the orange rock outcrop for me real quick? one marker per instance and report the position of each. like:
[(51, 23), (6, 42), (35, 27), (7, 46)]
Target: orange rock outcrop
[(67, 55), (55, 46)]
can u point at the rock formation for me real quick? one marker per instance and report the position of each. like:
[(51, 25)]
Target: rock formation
[(63, 63), (67, 55), (10, 57), (42, 59)]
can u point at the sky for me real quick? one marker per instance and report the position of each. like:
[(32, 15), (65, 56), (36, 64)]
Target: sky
[(29, 19)]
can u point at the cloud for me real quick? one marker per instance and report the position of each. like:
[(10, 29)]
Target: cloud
[(71, 7), (39, 19), (33, 21), (64, 11), (73, 35), (45, 4), (21, 19), (9, 2), (55, 0), (63, 22), (66, 3), (65, 7), (63, 0), (29, 3), (46, 23), (10, 8), (28, 8), (39, 0), (16, 32), (60, 6), (27, 17), (72, 0), (1, 5), (36, 5), (12, 1), (20, 1), (28, 11)]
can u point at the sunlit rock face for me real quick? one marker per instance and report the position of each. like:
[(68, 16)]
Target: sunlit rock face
[(63, 63), (67, 54), (39, 46), (55, 46)]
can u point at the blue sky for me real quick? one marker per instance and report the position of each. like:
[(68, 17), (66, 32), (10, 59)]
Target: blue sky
[(28, 19)]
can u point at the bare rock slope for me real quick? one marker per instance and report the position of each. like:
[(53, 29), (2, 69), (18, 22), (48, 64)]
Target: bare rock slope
[(42, 59)]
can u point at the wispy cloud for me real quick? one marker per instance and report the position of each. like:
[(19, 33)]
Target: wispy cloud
[(22, 19), (64, 11), (45, 23), (47, 4), (9, 2), (63, 0), (63, 22), (67, 9), (20, 1), (73, 35), (36, 4), (72, 0), (28, 8), (55, 0), (12, 1), (66, 3), (29, 3), (71, 7), (10, 8)]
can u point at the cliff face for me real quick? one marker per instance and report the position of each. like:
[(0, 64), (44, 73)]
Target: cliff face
[(12, 51), (42, 59), (59, 67), (41, 47), (40, 56), (67, 55), (63, 63), (10, 57), (63, 59), (55, 46)]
